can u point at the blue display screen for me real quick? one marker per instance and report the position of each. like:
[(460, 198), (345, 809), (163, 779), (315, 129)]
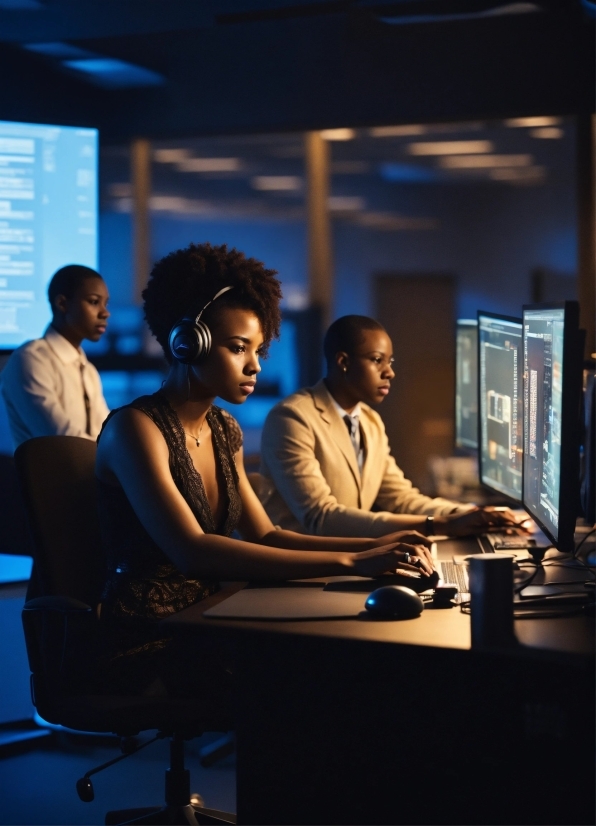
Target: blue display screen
[(466, 384), (48, 218), (501, 404), (543, 338)]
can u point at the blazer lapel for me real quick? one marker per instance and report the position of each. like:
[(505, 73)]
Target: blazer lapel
[(368, 459), (338, 432)]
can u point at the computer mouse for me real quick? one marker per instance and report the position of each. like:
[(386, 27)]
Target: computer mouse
[(394, 602)]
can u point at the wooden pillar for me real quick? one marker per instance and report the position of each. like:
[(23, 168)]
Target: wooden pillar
[(141, 228), (320, 257), (586, 153)]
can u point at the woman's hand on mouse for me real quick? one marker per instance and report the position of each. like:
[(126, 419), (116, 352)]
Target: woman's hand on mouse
[(420, 550), (389, 558)]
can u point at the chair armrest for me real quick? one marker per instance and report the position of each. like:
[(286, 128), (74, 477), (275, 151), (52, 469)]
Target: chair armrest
[(64, 605)]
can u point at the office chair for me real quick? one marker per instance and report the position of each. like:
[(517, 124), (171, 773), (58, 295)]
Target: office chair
[(15, 538), (57, 478)]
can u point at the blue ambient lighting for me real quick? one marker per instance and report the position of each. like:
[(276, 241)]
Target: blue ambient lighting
[(115, 74), (15, 568), (408, 173), (58, 49)]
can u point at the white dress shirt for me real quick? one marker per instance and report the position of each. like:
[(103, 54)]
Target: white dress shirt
[(42, 386)]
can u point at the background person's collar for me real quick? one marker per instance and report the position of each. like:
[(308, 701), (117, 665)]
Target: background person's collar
[(353, 415), (63, 348)]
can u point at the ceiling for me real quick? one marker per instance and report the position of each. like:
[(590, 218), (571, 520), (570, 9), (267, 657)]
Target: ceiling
[(241, 66)]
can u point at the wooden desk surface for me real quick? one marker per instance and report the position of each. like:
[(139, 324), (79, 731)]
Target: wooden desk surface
[(435, 628), (319, 706)]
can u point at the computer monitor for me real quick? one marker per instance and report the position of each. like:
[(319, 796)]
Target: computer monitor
[(588, 451), (466, 384), (500, 403), (48, 218), (552, 384)]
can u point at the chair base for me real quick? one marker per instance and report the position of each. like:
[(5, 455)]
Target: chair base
[(188, 815)]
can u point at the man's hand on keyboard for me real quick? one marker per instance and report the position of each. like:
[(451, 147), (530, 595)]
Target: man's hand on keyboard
[(475, 522)]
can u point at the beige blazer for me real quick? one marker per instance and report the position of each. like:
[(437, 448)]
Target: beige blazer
[(311, 481)]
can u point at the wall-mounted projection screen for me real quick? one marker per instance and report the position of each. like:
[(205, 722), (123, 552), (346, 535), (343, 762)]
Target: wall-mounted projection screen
[(48, 218)]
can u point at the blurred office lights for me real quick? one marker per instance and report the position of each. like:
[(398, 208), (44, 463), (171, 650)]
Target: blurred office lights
[(450, 147), (176, 203), (530, 175), (397, 131), (547, 132), (338, 134), (484, 161), (209, 165), (272, 183), (111, 73), (229, 209), (171, 155), (345, 203), (532, 122)]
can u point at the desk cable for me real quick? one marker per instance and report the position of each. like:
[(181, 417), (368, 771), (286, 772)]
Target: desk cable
[(575, 553), (526, 611), (522, 612)]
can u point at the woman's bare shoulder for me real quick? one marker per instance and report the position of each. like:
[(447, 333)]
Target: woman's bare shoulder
[(127, 421), (129, 433)]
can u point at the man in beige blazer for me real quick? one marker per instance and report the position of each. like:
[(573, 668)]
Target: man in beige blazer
[(325, 475)]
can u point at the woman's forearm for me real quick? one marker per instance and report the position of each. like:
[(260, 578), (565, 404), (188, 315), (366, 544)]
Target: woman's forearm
[(219, 557), (291, 540)]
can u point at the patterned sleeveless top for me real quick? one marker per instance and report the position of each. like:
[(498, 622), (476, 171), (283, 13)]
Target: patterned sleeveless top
[(143, 585)]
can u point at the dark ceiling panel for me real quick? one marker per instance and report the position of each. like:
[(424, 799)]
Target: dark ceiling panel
[(308, 73), (77, 19)]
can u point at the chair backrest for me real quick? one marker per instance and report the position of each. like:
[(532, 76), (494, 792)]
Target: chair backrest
[(14, 537), (57, 477)]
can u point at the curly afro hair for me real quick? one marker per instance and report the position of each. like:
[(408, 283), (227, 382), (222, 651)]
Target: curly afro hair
[(185, 280)]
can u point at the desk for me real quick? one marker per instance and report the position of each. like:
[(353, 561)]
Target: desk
[(367, 721)]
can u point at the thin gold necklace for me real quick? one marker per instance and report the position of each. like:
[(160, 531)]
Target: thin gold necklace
[(196, 438)]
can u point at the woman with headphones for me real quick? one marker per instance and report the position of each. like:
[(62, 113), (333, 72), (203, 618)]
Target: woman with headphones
[(173, 493)]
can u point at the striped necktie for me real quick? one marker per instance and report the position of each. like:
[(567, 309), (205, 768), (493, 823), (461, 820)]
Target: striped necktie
[(87, 403), (353, 426)]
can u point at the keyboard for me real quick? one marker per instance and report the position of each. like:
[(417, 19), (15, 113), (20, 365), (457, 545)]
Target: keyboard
[(453, 574), (509, 541)]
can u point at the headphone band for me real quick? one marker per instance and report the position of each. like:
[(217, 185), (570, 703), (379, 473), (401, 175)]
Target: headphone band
[(217, 295)]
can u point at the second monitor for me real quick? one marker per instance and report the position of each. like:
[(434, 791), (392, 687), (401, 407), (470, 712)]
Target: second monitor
[(500, 420)]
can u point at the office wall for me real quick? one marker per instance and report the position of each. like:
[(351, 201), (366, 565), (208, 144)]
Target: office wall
[(490, 237)]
